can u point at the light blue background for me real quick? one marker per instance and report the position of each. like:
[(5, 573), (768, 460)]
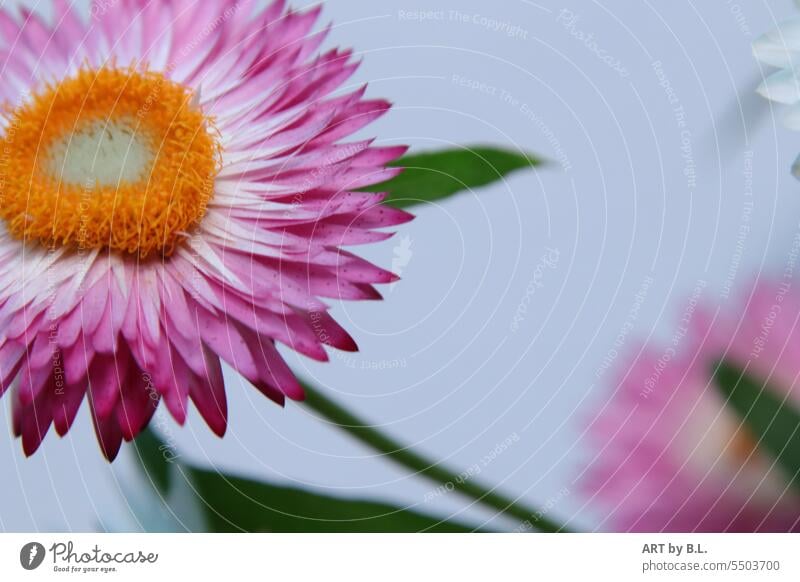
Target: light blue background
[(619, 208)]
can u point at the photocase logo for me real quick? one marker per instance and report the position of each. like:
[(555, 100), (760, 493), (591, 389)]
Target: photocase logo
[(31, 555)]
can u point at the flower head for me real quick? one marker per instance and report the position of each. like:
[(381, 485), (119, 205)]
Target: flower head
[(174, 191), (674, 455)]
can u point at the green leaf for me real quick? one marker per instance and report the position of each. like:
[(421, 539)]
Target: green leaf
[(235, 504), (432, 176), (395, 451), (774, 424), (150, 450)]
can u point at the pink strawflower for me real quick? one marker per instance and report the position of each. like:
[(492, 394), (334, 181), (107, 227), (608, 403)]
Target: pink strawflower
[(670, 455), (174, 191)]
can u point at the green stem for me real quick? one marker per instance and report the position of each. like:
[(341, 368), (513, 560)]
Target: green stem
[(422, 466)]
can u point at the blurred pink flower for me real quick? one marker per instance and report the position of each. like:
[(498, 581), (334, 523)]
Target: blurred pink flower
[(670, 455)]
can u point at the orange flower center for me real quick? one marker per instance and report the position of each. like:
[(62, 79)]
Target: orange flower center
[(109, 158)]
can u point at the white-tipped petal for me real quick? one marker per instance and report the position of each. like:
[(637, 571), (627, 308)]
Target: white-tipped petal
[(783, 87), (776, 52)]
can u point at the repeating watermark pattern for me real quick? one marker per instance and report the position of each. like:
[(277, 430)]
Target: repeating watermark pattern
[(546, 508), (686, 144), (739, 17), (627, 326), (529, 114), (490, 23), (349, 359), (744, 226), (162, 422), (475, 85), (784, 288), (11, 130), (326, 168), (422, 15), (663, 362), (474, 469), (382, 365), (569, 20), (100, 8), (559, 155), (548, 261), (450, 486)]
